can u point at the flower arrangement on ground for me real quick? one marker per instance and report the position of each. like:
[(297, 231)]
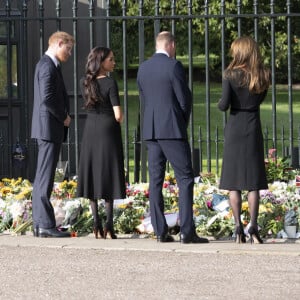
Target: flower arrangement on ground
[(212, 213)]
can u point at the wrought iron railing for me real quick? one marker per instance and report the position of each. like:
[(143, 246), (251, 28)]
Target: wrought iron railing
[(91, 22)]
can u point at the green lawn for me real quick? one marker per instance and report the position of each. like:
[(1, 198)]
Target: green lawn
[(217, 117)]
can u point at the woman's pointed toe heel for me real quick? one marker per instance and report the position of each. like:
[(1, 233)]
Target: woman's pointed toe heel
[(112, 235), (240, 237), (254, 236), (95, 230), (109, 232), (98, 232), (101, 231)]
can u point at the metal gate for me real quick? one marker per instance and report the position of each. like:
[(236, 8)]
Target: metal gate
[(129, 27)]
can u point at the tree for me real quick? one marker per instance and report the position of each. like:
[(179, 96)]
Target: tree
[(211, 15)]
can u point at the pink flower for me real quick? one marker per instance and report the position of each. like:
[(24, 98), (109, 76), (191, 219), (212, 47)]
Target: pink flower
[(209, 204), (272, 153)]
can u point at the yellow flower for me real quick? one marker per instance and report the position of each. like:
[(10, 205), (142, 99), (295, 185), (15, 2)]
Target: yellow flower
[(19, 196), (5, 190), (262, 208), (73, 182), (6, 181), (195, 206), (16, 182), (245, 206), (24, 194), (63, 184), (122, 206), (167, 177), (200, 188), (269, 205), (170, 178)]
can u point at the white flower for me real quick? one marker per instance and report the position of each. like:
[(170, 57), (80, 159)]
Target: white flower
[(2, 203), (71, 204), (17, 209)]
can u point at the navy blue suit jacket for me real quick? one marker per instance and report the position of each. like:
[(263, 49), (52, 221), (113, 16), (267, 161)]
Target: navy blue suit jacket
[(165, 97), (51, 103)]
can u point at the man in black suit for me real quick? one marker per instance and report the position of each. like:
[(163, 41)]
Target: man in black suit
[(167, 101), (50, 119)]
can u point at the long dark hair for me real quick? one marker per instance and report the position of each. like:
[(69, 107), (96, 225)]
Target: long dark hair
[(246, 57), (92, 69)]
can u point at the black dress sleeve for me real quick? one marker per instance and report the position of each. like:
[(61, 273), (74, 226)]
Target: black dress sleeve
[(114, 94), (225, 101)]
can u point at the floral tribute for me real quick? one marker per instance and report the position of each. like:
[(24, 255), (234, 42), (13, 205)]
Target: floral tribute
[(212, 213)]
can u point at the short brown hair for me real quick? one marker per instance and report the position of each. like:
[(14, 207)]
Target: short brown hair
[(61, 35), (165, 37)]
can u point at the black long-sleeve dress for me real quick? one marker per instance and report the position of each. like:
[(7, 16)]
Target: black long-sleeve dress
[(243, 165), (101, 172)]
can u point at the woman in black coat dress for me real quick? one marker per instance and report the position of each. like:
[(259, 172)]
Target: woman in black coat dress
[(101, 172), (244, 87)]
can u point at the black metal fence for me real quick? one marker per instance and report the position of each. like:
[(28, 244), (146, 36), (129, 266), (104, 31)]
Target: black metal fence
[(129, 27)]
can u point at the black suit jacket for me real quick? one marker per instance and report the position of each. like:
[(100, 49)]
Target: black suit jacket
[(51, 103), (165, 97)]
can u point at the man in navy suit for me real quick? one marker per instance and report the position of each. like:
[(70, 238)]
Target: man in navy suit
[(166, 100), (50, 119)]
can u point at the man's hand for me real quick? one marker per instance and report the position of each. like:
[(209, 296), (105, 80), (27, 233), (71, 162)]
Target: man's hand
[(67, 121)]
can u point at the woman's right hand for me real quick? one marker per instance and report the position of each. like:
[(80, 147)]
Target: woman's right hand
[(118, 113)]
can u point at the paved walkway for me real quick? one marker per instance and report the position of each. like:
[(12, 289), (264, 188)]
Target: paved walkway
[(136, 267)]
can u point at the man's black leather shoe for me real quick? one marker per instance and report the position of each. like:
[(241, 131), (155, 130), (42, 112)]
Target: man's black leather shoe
[(192, 239), (52, 232), (166, 238), (35, 231)]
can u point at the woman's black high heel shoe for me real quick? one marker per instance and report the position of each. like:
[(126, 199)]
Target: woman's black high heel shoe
[(98, 231), (110, 232), (240, 235), (254, 236)]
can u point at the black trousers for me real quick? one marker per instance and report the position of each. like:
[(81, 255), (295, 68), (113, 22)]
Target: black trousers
[(42, 209), (178, 153)]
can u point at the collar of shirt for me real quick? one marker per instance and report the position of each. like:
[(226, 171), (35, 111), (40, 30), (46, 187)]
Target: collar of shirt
[(54, 59), (162, 52)]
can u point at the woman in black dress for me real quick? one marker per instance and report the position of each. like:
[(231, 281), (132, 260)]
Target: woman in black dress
[(101, 167), (244, 87)]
